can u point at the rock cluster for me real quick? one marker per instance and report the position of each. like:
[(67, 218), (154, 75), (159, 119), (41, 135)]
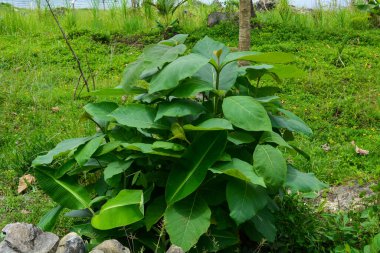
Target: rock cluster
[(26, 238)]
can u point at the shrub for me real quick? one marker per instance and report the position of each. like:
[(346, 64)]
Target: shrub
[(197, 156)]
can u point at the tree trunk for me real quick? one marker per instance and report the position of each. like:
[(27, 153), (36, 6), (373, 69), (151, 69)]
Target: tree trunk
[(245, 25)]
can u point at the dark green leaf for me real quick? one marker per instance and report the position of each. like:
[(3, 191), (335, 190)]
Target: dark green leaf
[(99, 112), (137, 115), (167, 145), (61, 148), (155, 212), (189, 174), (186, 221), (179, 108), (64, 191), (302, 182), (115, 168), (191, 87), (83, 154), (240, 137), (239, 169), (48, 221), (245, 200), (273, 137)]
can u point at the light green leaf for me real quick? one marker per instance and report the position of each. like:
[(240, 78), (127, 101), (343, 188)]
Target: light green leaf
[(236, 56), (273, 137), (138, 115), (84, 153), (189, 174), (115, 168), (176, 71), (245, 200), (99, 112), (61, 148), (64, 191), (210, 125), (191, 87), (167, 145), (303, 182), (186, 221), (155, 56), (227, 76), (179, 108), (246, 113), (48, 221), (240, 137), (178, 132), (269, 163), (107, 147), (207, 46), (124, 209), (154, 212), (147, 149), (132, 73), (239, 169), (175, 40)]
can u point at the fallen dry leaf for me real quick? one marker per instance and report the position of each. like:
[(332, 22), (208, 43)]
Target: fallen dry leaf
[(24, 181), (55, 109), (326, 147), (23, 211), (359, 150)]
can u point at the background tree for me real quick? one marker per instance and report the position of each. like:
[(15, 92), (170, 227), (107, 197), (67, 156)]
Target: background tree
[(244, 25)]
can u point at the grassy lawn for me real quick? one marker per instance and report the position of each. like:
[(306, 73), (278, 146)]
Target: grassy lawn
[(339, 99)]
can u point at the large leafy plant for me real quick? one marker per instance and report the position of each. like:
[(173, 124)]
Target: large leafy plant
[(197, 157)]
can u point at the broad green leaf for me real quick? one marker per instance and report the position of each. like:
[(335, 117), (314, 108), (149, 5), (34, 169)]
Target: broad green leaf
[(132, 73), (216, 240), (65, 168), (302, 182), (175, 40), (167, 145), (272, 57), (82, 213), (83, 154), (269, 163), (99, 112), (186, 221), (124, 209), (107, 147), (236, 56), (240, 137), (176, 71), (191, 87), (147, 149), (210, 125), (154, 212), (64, 191), (192, 169), (268, 99), (239, 169), (48, 221), (155, 56), (264, 223), (245, 200), (138, 115), (115, 168), (273, 137), (207, 46), (227, 76), (246, 113), (290, 122), (179, 108), (61, 148)]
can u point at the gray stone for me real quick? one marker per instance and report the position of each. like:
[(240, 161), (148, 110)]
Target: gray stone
[(71, 243), (5, 249), (264, 5), (26, 238), (110, 246), (215, 18), (175, 249)]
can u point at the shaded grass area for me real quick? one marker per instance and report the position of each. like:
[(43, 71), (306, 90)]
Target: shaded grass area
[(340, 103)]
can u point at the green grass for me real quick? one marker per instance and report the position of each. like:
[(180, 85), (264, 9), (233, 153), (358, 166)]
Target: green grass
[(37, 72)]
